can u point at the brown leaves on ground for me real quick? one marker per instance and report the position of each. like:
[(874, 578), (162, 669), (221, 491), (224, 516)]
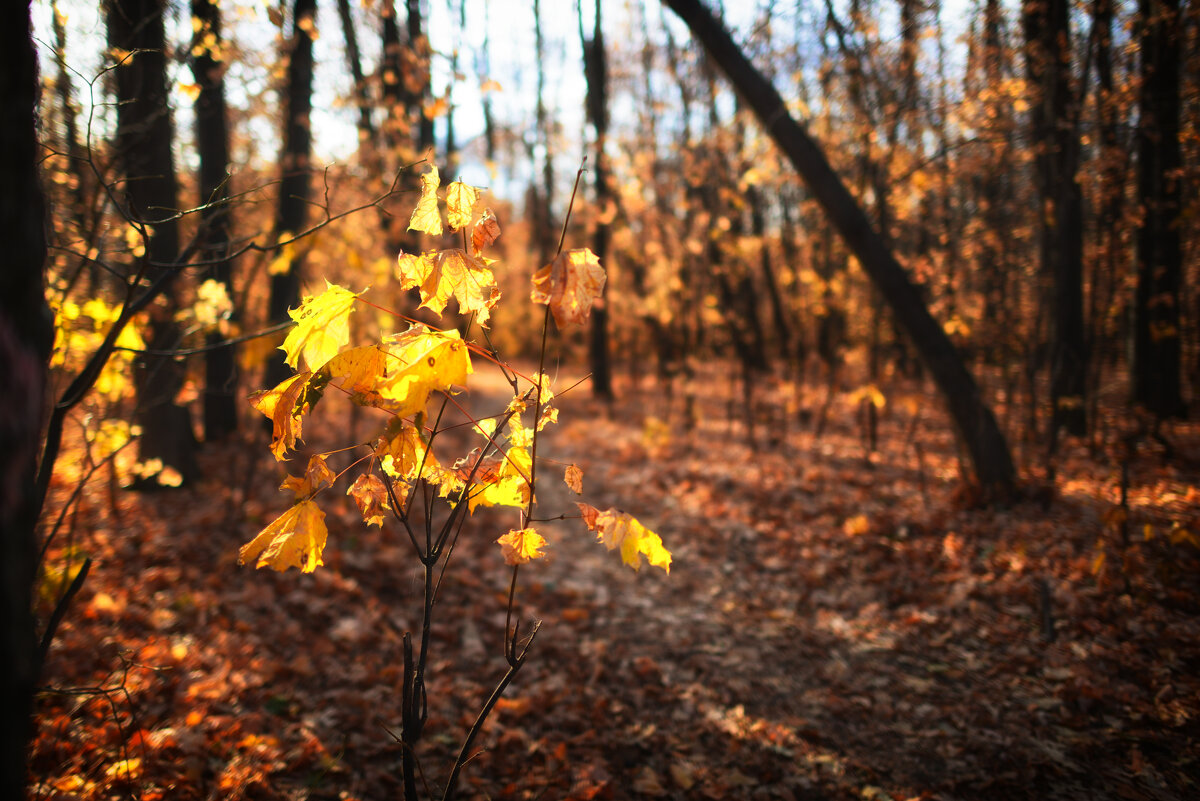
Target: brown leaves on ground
[(835, 626)]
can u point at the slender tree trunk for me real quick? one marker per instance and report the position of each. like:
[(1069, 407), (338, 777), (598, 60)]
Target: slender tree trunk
[(1157, 354), (1048, 43), (419, 44), (145, 135), (26, 335), (366, 126), (212, 144), (988, 451), (596, 70), (295, 186)]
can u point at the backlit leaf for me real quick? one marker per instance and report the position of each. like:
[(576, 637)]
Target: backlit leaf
[(460, 204), (420, 362), (425, 216), (520, 547), (286, 405), (316, 476), (618, 530), (570, 284), (402, 453), (449, 274), (370, 495), (294, 539), (574, 478), (485, 232), (322, 327)]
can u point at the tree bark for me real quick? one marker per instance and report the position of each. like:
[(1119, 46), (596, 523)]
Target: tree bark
[(145, 135), (990, 460), (366, 127), (1157, 354), (212, 145), (295, 186), (26, 335)]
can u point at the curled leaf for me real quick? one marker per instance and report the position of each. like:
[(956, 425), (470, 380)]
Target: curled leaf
[(570, 284), (574, 479), (285, 405), (425, 216), (322, 327), (460, 204), (618, 530), (316, 475), (485, 232)]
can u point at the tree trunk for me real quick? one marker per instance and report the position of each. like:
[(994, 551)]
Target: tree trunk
[(295, 185), (595, 66), (366, 127), (1060, 221), (145, 135), (990, 459), (25, 338), (1157, 356), (212, 145)]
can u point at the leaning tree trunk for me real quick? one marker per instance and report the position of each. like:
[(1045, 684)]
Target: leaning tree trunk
[(295, 185), (145, 135), (25, 339), (212, 144), (990, 459)]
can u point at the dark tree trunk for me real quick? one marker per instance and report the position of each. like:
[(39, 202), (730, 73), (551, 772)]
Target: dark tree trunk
[(1157, 355), (366, 127), (145, 134), (419, 45), (1060, 221), (25, 338), (596, 70), (295, 185), (990, 459), (212, 144)]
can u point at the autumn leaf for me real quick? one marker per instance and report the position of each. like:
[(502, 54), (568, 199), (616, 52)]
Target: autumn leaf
[(359, 371), (574, 479), (286, 405), (520, 547), (426, 217), (460, 204), (570, 284), (485, 232), (441, 275), (316, 476), (420, 362), (322, 327), (402, 452), (497, 480), (294, 539), (618, 530), (370, 495)]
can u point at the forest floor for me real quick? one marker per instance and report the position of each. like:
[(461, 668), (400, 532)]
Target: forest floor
[(835, 625)]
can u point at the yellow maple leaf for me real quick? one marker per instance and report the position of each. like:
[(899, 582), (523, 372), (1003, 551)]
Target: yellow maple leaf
[(497, 480), (425, 216), (520, 547), (294, 539), (420, 362), (402, 453), (285, 405), (446, 274), (322, 327), (316, 475), (569, 284), (619, 530), (370, 495), (460, 204), (359, 370), (485, 232)]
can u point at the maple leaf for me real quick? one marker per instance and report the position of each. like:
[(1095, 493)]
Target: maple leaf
[(294, 539), (420, 361), (460, 204), (620, 530), (322, 327), (569, 284), (446, 274), (402, 452), (573, 477), (497, 480), (316, 475), (285, 405), (425, 216), (520, 547), (370, 495), (359, 371), (485, 232)]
